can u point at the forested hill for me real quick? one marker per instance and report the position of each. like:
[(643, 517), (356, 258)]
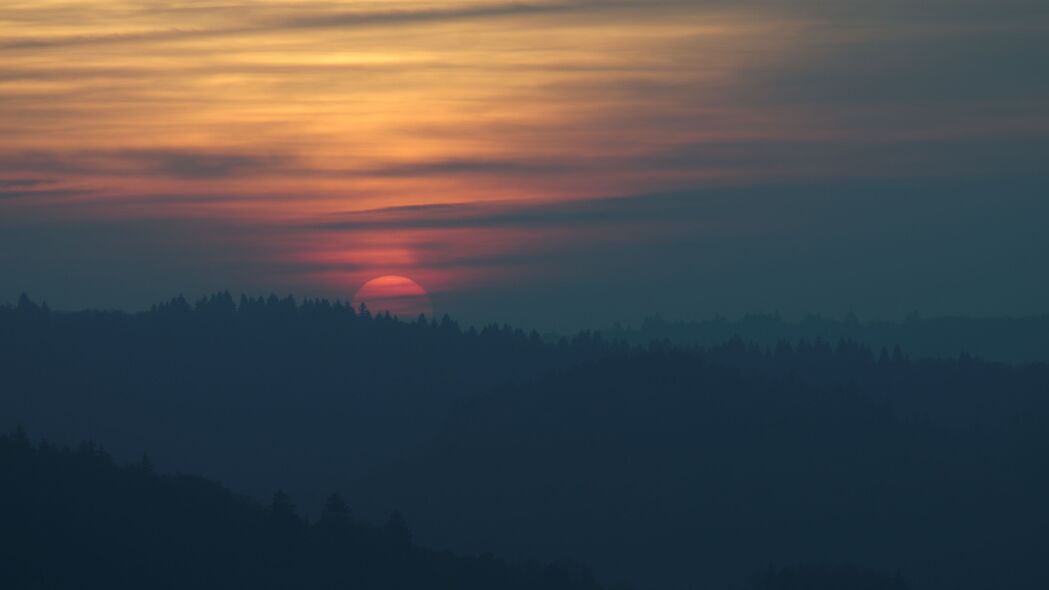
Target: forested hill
[(663, 464), (269, 385), (1023, 339), (348, 348), (75, 519), (638, 460)]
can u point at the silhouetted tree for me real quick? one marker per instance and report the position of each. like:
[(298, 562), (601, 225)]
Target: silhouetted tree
[(282, 513), (397, 530), (335, 517)]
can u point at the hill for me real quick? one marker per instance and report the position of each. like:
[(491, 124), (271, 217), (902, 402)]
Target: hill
[(75, 519), (643, 461), (1013, 340), (658, 466)]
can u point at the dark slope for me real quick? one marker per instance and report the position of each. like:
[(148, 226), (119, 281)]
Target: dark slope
[(259, 394), (75, 520), (662, 469), (642, 463), (1017, 340)]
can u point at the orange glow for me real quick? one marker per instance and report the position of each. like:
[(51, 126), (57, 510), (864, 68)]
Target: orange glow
[(268, 115), (398, 295)]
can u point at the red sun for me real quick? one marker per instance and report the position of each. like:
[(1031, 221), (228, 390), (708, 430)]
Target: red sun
[(398, 295)]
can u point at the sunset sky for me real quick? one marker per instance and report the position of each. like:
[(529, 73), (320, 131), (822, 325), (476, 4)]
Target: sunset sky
[(554, 163)]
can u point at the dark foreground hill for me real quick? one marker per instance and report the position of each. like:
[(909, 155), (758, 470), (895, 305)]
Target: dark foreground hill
[(76, 520)]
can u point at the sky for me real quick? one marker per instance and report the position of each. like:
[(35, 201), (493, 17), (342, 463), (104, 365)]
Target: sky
[(550, 163)]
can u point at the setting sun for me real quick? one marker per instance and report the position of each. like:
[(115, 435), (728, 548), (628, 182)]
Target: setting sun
[(398, 295)]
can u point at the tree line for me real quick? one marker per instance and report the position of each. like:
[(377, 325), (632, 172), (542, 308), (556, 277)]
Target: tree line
[(661, 464), (74, 518)]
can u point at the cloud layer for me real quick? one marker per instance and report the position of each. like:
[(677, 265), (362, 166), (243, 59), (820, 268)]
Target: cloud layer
[(485, 145)]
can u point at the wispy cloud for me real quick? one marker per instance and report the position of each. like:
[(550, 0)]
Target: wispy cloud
[(167, 163), (320, 16), (467, 166), (200, 165)]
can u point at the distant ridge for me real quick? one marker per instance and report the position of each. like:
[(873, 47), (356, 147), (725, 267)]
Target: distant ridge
[(1005, 339)]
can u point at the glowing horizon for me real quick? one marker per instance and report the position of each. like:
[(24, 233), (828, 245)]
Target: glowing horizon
[(333, 142)]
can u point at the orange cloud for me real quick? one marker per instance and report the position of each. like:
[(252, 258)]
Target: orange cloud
[(269, 114)]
